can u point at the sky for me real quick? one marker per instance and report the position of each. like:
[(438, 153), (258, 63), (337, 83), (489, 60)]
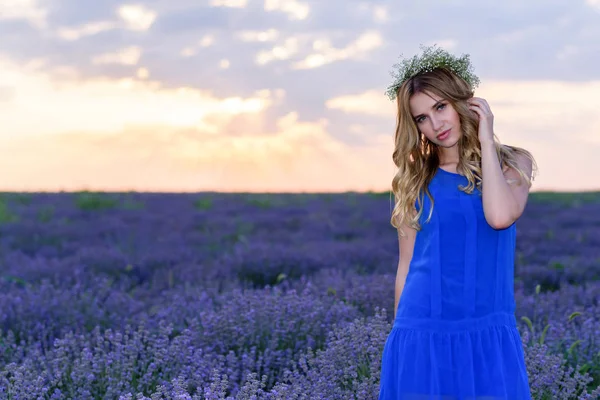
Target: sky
[(277, 95)]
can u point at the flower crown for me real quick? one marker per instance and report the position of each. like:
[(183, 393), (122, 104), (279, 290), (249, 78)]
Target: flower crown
[(431, 59)]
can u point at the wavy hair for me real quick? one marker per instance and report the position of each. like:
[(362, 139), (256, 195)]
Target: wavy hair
[(418, 159)]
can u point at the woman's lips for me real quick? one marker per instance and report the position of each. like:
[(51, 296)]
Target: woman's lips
[(444, 134)]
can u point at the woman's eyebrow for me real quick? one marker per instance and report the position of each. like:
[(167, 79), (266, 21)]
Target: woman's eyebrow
[(437, 103)]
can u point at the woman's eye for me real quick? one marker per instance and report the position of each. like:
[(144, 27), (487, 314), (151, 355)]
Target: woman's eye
[(439, 107)]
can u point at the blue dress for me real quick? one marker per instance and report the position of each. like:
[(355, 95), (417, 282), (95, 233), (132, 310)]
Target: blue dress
[(455, 333)]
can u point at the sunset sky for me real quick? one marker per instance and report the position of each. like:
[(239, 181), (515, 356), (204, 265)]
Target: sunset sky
[(276, 95)]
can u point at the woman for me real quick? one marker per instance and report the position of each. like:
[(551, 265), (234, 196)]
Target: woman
[(458, 194)]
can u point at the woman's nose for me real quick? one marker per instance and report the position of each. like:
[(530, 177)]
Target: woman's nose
[(436, 123)]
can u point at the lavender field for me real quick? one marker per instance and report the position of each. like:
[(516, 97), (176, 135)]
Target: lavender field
[(248, 296)]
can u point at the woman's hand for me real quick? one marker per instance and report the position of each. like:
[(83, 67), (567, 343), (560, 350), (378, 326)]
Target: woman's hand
[(486, 118)]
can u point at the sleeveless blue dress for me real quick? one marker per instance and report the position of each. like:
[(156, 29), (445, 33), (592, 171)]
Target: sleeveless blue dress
[(455, 333)]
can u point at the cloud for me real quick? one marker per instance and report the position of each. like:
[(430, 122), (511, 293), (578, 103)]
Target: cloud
[(126, 134), (282, 52), (127, 56), (44, 105), (380, 13), (268, 35), (447, 44), (143, 73), (521, 34), (264, 46), (294, 9), (88, 29), (594, 4), (229, 3), (321, 51), (28, 10), (205, 41), (371, 102), (137, 17), (567, 51), (7, 94), (325, 53), (296, 156), (131, 17)]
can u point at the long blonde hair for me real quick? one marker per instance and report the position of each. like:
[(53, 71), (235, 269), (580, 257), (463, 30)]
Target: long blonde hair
[(418, 159)]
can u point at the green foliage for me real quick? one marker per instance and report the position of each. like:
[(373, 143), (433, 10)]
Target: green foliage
[(571, 199), (260, 201), (6, 216), (131, 204), (45, 213), (95, 201), (203, 203)]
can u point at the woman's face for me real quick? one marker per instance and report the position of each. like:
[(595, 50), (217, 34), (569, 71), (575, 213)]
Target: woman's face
[(436, 119)]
